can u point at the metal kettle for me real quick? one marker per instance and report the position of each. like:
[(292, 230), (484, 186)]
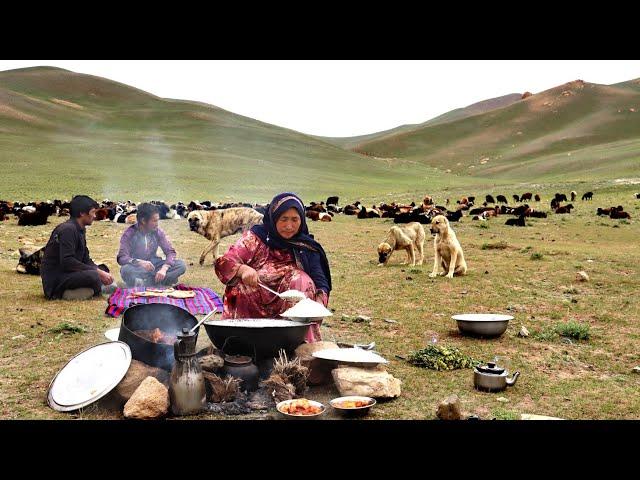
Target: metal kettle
[(242, 367), (186, 385), (491, 378)]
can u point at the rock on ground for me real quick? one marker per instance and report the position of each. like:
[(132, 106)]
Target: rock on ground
[(368, 382), (137, 372), (149, 401), (582, 277), (449, 409)]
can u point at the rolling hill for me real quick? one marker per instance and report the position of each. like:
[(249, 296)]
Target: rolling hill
[(62, 132), (353, 143), (576, 131)]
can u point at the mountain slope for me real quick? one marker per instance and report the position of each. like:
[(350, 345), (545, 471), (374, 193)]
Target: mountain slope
[(353, 143), (59, 129), (570, 131)]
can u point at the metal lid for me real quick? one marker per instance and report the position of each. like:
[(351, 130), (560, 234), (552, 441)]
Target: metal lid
[(490, 368), (237, 360), (89, 376), (112, 334)]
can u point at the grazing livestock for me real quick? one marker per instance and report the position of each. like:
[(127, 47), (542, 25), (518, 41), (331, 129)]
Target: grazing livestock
[(516, 198), (502, 199), (315, 216), (554, 203), (637, 195), (332, 201), (516, 222), (30, 263), (454, 216), (489, 199), (37, 217), (537, 197), (574, 194), (561, 197), (618, 214), (536, 214), (565, 209), (587, 196), (471, 199), (527, 196), (102, 214)]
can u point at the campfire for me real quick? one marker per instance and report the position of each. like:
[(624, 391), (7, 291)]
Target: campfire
[(157, 336)]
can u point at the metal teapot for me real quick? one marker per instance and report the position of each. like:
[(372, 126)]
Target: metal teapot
[(491, 378), (186, 385)]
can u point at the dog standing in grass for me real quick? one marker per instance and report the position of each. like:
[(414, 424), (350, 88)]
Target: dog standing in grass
[(447, 249), (215, 225), (409, 237)]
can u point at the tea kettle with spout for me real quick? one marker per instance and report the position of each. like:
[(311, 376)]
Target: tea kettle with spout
[(186, 385)]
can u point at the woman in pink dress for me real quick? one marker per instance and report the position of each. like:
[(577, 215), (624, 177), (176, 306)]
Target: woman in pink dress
[(280, 254)]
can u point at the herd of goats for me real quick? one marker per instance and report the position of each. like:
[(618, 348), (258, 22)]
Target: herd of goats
[(37, 213)]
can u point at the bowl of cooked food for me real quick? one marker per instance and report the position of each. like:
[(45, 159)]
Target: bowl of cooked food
[(300, 408), (353, 406)]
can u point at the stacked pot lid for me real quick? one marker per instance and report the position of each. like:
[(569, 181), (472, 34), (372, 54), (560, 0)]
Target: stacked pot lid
[(89, 376)]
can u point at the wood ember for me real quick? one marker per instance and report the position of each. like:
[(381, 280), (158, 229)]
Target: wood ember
[(221, 390)]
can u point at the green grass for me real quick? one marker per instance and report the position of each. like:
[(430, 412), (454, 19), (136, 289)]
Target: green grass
[(593, 379), (577, 331)]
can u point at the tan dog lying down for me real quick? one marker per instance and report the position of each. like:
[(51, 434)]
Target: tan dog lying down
[(409, 237), (448, 252)]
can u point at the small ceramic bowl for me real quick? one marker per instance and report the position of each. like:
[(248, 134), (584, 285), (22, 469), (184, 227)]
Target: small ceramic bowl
[(300, 417), (353, 411)]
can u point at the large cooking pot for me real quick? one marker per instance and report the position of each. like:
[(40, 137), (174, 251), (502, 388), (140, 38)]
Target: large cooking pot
[(263, 337), (168, 318)]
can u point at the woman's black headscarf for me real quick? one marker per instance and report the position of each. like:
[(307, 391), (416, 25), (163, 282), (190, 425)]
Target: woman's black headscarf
[(309, 252)]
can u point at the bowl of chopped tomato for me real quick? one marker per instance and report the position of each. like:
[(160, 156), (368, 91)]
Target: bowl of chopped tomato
[(353, 406), (301, 408)]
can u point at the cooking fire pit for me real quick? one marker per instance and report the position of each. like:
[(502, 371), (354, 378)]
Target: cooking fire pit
[(259, 337), (151, 329)]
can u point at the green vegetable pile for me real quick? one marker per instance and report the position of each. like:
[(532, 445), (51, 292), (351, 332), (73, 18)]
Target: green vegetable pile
[(438, 357)]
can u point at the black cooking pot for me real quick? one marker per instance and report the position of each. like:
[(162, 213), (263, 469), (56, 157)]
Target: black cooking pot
[(168, 318), (262, 337)]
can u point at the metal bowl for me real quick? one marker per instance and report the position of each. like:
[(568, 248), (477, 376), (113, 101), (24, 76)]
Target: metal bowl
[(301, 417), (355, 411), (482, 324)]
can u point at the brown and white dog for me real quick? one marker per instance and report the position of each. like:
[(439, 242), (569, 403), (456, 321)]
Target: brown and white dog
[(447, 249), (217, 224), (409, 237)]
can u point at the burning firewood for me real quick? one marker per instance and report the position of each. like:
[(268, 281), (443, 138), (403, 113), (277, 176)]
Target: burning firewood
[(221, 390)]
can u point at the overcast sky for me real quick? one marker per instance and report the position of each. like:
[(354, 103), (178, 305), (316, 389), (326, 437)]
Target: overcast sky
[(345, 97)]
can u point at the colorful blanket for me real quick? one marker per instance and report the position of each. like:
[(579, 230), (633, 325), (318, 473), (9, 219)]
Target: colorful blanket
[(205, 301)]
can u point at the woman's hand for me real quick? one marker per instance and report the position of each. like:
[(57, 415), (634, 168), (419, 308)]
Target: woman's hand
[(248, 276)]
